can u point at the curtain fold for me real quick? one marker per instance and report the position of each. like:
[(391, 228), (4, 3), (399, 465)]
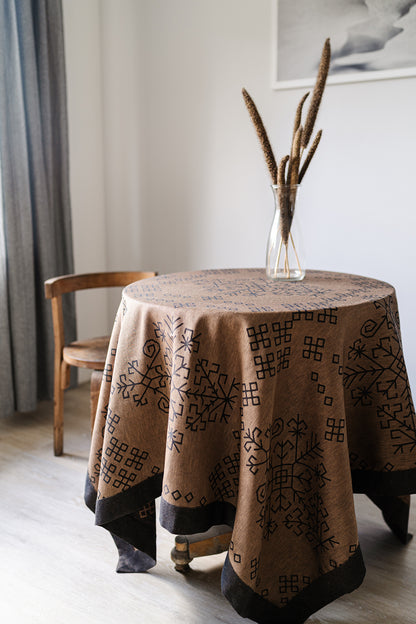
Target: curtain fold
[(35, 224)]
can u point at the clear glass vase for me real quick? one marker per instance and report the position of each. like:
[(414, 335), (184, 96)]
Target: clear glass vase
[(284, 257)]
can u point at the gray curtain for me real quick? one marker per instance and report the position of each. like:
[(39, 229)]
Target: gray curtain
[(35, 223)]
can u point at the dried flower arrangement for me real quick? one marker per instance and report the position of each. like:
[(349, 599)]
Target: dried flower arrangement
[(291, 170)]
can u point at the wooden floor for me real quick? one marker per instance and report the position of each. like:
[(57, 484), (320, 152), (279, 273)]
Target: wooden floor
[(57, 567)]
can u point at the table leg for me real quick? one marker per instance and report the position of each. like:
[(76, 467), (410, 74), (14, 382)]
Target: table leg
[(188, 547)]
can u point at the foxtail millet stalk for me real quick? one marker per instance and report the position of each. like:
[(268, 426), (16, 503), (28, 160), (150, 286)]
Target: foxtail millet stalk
[(294, 162), (283, 197), (317, 93), (298, 115), (281, 172), (262, 135), (309, 155)]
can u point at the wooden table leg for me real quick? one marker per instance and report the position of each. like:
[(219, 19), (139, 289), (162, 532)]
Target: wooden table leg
[(188, 547)]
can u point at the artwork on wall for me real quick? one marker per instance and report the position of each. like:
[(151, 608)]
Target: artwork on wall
[(370, 40)]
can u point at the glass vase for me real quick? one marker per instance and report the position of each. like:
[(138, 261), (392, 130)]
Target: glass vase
[(284, 257)]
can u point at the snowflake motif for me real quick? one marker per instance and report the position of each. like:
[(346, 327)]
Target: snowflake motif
[(298, 427), (291, 461), (163, 373), (357, 350), (362, 395), (375, 373), (188, 341)]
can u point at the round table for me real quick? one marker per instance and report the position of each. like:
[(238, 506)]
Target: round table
[(262, 405)]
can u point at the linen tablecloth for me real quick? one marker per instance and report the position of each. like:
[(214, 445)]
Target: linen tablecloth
[(263, 405)]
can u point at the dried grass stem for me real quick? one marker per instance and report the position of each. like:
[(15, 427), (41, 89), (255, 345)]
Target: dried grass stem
[(294, 163), (262, 135), (317, 93), (310, 154), (298, 115)]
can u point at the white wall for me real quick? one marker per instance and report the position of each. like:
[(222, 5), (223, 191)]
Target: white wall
[(103, 56), (183, 176), (83, 61)]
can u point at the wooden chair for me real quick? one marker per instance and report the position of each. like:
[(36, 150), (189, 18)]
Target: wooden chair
[(82, 353)]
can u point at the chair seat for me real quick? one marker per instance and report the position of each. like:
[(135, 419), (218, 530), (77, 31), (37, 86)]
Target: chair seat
[(90, 353)]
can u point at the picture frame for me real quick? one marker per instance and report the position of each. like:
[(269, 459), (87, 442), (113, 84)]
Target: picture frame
[(370, 40)]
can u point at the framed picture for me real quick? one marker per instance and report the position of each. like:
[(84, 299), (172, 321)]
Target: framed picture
[(370, 40)]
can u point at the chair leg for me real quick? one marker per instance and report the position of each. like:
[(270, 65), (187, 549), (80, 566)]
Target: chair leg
[(58, 417), (96, 378)]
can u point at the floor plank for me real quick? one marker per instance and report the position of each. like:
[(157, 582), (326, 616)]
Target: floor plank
[(57, 567)]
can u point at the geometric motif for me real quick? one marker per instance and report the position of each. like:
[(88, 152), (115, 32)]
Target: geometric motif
[(313, 349), (97, 466), (306, 315), (136, 459), (111, 421), (259, 336), (176, 494), (320, 389), (115, 449), (264, 339), (224, 478), (107, 372), (328, 315), (292, 584), (281, 332), (107, 469), (265, 366), (248, 394), (335, 430), (117, 452), (124, 480), (270, 366)]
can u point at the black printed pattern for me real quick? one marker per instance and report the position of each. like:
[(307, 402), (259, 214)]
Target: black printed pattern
[(250, 290), (120, 463), (270, 347), (291, 584), (375, 373), (208, 392), (290, 458), (224, 479), (270, 343)]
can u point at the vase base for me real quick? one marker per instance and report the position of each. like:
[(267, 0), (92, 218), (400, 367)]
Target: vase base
[(293, 275)]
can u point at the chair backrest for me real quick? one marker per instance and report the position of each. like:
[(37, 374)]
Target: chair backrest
[(55, 287)]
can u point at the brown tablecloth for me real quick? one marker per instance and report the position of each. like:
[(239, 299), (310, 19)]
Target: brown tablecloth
[(262, 405)]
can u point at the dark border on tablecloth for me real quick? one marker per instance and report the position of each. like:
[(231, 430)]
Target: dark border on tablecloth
[(117, 506), (396, 515), (325, 589), (384, 483), (189, 520), (118, 513)]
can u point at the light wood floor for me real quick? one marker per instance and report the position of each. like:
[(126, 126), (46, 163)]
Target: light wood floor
[(57, 567)]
